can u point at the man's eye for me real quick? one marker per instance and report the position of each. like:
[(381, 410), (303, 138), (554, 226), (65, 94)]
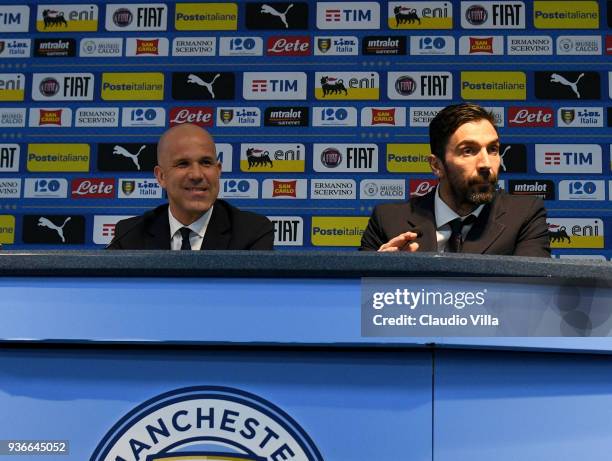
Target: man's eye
[(494, 150), (468, 151)]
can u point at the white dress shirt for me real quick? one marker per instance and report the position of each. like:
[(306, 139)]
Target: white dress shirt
[(198, 229), (444, 215)]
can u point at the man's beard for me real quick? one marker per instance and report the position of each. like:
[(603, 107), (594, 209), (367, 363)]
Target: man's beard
[(477, 191)]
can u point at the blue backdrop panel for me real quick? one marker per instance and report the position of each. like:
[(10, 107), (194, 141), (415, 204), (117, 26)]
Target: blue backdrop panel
[(333, 155)]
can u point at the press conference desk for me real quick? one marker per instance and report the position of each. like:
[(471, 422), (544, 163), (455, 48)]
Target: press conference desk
[(161, 355)]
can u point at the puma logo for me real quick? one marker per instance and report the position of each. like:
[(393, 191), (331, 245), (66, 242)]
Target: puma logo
[(501, 158), (192, 78), (118, 150), (267, 9), (44, 222), (556, 78)]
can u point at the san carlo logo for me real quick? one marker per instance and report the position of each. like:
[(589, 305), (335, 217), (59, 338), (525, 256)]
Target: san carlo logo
[(197, 421)]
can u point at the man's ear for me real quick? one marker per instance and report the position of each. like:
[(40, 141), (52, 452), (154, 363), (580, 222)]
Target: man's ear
[(159, 175), (436, 166)]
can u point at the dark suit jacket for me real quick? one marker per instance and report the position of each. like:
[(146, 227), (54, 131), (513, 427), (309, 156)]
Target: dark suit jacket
[(510, 225), (228, 229)]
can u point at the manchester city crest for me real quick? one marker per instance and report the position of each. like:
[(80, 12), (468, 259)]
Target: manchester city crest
[(210, 423)]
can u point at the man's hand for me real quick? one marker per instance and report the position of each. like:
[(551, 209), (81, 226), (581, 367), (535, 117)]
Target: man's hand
[(403, 242)]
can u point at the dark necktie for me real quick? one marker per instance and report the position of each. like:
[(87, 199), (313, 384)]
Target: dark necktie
[(455, 242), (185, 232)]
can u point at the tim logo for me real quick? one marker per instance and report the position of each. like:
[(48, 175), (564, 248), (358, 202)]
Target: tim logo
[(14, 18), (277, 16), (568, 158), (274, 85), (183, 415), (348, 15), (258, 157)]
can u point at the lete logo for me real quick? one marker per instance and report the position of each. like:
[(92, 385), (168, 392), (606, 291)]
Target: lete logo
[(530, 116), (201, 116), (289, 46), (93, 188)]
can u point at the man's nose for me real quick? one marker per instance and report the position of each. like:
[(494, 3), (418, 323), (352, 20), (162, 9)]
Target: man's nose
[(484, 161), (195, 172)]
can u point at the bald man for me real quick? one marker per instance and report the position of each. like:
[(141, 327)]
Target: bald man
[(194, 218)]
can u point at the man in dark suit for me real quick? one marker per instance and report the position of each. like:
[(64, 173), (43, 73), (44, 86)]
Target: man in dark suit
[(465, 212), (187, 168)]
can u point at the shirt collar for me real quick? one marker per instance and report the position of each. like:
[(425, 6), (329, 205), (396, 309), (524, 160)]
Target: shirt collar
[(444, 213), (199, 226)]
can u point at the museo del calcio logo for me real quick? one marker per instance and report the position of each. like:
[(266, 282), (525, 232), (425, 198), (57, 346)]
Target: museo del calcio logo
[(206, 423)]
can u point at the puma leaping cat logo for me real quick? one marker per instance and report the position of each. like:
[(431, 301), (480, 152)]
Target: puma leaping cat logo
[(501, 157), (556, 78), (267, 9), (118, 150), (192, 78), (44, 222)]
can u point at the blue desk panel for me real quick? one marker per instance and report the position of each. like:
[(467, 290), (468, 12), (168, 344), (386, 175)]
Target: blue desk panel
[(306, 311), (512, 406), (367, 405)]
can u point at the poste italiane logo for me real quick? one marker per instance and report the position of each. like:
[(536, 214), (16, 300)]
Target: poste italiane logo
[(206, 423), (7, 229)]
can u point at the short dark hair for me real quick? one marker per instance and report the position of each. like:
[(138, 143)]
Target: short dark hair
[(446, 122)]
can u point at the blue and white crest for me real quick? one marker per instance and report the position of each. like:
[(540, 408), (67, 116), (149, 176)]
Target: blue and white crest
[(206, 423)]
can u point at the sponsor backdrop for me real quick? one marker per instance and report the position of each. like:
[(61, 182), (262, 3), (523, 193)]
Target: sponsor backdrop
[(320, 109)]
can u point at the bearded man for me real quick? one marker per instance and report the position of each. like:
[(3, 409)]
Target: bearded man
[(465, 213)]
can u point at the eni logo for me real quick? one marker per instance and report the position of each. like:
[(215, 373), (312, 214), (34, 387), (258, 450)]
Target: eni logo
[(206, 423)]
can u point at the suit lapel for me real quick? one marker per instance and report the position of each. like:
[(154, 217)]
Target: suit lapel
[(218, 232), (423, 219), (158, 232), (486, 229)]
